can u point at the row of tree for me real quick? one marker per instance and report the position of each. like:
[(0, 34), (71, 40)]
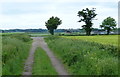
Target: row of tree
[(23, 30), (86, 16)]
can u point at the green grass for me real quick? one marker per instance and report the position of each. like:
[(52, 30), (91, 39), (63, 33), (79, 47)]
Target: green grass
[(42, 64), (0, 55), (103, 39), (15, 50), (85, 58)]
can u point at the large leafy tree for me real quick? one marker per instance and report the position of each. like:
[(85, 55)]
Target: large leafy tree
[(52, 24), (87, 16), (108, 24)]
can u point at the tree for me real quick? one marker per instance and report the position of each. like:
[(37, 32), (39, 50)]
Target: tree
[(87, 16), (52, 24), (108, 24)]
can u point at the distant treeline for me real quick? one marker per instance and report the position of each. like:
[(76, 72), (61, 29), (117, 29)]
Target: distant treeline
[(24, 30), (39, 30), (95, 30)]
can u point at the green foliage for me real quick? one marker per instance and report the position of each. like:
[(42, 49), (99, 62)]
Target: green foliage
[(42, 64), (108, 24), (84, 57), (87, 16), (52, 24), (14, 52)]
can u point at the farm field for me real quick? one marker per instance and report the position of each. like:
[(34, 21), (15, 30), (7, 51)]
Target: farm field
[(103, 39), (82, 57)]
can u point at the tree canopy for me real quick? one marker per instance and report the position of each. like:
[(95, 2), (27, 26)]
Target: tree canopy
[(52, 24), (108, 24), (87, 15)]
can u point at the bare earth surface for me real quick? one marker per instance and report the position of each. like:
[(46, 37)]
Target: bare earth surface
[(39, 42)]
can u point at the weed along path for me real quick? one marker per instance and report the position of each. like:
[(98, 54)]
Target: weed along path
[(39, 42)]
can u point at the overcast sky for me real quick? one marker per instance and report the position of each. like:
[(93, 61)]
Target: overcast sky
[(24, 14)]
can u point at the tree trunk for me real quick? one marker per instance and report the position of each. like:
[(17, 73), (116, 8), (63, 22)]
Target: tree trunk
[(88, 32), (108, 32), (51, 31)]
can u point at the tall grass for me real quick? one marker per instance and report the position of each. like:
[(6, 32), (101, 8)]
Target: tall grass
[(42, 64), (15, 50), (0, 55), (85, 58)]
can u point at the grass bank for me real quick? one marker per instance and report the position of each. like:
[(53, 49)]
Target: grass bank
[(15, 50), (85, 58), (42, 64)]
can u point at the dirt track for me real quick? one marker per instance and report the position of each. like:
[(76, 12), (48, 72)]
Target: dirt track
[(39, 42)]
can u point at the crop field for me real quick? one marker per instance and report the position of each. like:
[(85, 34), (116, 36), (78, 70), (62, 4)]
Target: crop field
[(15, 49), (96, 56), (103, 39)]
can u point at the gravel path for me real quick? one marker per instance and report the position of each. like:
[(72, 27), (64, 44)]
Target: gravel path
[(39, 42)]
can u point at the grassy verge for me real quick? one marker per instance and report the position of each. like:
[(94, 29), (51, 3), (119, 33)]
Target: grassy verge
[(42, 64), (15, 50), (84, 57), (0, 55)]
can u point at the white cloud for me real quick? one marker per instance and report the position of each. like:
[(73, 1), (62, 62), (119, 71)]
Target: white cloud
[(119, 14), (34, 13), (59, 1)]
